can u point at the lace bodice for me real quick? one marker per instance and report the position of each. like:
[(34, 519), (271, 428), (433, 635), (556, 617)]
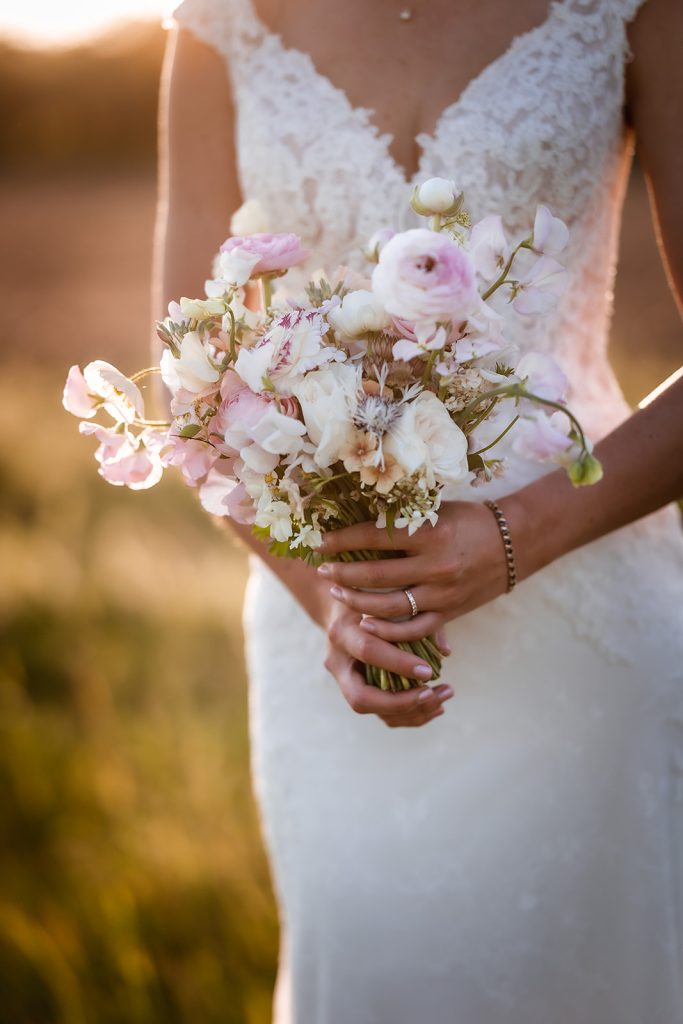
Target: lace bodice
[(318, 166)]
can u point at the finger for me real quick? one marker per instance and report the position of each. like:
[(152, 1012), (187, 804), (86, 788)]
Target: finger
[(442, 641), (384, 572), (431, 700), (372, 650), (392, 605), (413, 721), (421, 626), (431, 708), (362, 537), (368, 700)]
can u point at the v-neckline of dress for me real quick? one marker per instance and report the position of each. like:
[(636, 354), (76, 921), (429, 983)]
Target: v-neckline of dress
[(425, 141)]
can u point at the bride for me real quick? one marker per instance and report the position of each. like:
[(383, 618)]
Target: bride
[(519, 861)]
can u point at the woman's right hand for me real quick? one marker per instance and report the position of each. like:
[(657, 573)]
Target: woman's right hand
[(349, 647)]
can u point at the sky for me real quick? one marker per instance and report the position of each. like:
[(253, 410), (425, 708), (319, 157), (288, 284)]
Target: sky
[(62, 22)]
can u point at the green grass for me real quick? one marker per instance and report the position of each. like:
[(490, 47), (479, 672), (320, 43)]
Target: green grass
[(133, 884)]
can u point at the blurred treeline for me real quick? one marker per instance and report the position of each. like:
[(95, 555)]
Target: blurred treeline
[(133, 884), (91, 108)]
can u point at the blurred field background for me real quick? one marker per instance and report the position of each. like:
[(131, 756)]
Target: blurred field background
[(133, 884)]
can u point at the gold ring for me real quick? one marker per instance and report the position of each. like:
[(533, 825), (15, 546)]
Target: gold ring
[(413, 603)]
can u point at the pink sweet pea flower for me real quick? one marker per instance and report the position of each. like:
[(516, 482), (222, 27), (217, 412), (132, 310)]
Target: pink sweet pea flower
[(488, 247), (538, 291), (551, 234), (275, 252), (77, 399), (222, 495), (193, 458), (542, 376), (543, 438), (425, 277)]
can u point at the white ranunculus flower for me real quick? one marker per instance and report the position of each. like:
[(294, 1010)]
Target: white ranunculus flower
[(436, 196), (193, 370), (359, 313), (327, 398)]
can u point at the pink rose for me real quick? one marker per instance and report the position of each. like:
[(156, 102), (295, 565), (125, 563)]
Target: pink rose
[(274, 252), (424, 277)]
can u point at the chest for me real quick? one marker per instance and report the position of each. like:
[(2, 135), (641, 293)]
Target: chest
[(406, 70)]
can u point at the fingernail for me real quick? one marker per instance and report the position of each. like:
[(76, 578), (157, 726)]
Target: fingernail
[(336, 591), (423, 672), (426, 694), (445, 649), (367, 624), (447, 693), (324, 569)]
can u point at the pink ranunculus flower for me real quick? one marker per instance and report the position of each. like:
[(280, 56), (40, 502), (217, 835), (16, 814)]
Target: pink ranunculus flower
[(275, 252), (77, 398), (425, 277)]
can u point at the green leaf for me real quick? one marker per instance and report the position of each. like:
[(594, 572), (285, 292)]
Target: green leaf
[(191, 430)]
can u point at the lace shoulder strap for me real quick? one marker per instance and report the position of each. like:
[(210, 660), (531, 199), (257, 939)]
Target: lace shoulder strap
[(227, 25)]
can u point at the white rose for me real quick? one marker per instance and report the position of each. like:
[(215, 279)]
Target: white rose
[(359, 313), (193, 371), (403, 442), (445, 442), (327, 398), (278, 433), (435, 196)]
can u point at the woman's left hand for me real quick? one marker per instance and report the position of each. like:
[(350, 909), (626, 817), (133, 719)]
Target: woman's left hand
[(450, 569)]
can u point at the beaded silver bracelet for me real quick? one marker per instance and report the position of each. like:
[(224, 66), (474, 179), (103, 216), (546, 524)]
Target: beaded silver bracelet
[(507, 542)]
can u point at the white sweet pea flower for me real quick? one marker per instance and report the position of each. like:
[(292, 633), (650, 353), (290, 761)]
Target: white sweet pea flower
[(427, 339), (120, 397), (275, 516), (538, 291), (436, 196), (193, 370), (488, 247), (551, 234), (360, 312), (201, 309), (277, 433)]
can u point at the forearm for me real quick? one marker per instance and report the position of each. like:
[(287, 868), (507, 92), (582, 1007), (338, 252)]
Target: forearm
[(304, 583), (643, 470)]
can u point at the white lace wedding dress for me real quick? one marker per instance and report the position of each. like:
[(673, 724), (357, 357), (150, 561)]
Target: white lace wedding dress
[(519, 861)]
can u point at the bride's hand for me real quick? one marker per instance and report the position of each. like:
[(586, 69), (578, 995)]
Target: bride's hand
[(450, 569), (349, 647)]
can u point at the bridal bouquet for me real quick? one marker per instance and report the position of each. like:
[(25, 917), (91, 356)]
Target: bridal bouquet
[(366, 399)]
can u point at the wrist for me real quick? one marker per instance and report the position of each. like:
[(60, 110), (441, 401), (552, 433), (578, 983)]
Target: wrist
[(537, 517)]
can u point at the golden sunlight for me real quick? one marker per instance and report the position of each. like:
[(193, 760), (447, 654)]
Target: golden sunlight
[(46, 23)]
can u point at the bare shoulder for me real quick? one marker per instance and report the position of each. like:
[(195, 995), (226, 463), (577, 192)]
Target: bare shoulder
[(198, 72)]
